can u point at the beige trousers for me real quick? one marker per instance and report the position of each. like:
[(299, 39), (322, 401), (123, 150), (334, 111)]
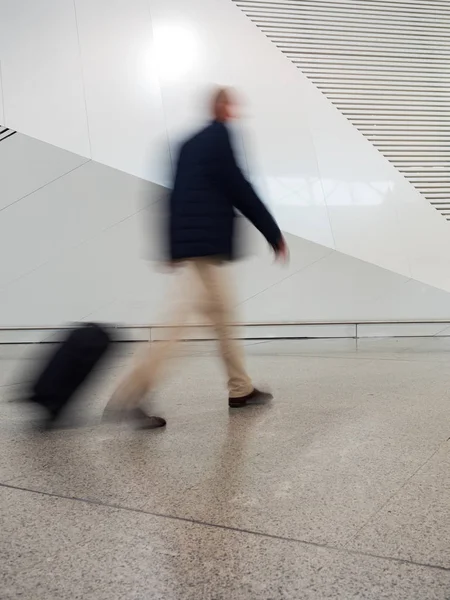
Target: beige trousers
[(202, 286)]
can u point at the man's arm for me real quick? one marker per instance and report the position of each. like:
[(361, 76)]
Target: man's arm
[(244, 197)]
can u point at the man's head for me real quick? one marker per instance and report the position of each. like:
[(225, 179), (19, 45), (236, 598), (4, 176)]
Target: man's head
[(223, 105)]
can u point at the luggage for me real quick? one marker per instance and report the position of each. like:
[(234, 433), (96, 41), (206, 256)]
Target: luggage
[(69, 367)]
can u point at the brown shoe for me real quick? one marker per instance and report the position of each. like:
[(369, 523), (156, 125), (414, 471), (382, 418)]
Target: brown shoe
[(137, 415), (145, 421), (254, 398)]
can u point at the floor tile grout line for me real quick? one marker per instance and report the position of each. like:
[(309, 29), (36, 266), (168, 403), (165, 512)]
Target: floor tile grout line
[(300, 355), (113, 506), (392, 496), (401, 359), (355, 357), (121, 365)]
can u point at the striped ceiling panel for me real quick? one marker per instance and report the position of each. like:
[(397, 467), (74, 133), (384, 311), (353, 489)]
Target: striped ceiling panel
[(385, 64)]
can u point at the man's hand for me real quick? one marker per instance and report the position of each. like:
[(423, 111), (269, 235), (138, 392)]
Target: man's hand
[(282, 251)]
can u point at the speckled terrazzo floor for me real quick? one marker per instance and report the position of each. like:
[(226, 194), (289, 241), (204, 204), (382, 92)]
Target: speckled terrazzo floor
[(339, 489)]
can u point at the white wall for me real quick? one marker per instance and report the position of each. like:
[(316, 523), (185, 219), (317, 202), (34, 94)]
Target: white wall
[(26, 165), (2, 112), (124, 108), (77, 245), (323, 179), (120, 82), (41, 72)]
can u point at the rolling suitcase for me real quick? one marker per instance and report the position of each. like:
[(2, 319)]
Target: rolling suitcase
[(68, 368)]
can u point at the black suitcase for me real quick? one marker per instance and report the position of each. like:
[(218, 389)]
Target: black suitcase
[(69, 367)]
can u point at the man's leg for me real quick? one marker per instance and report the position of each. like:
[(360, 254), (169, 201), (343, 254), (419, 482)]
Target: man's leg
[(150, 363), (220, 312)]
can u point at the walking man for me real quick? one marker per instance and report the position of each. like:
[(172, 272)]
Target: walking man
[(209, 187)]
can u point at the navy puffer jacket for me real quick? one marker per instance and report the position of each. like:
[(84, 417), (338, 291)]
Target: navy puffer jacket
[(208, 187)]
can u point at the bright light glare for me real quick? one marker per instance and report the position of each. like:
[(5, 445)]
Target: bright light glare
[(176, 49)]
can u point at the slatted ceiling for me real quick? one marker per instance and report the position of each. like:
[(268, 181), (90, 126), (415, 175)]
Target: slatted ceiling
[(385, 64), (330, 27)]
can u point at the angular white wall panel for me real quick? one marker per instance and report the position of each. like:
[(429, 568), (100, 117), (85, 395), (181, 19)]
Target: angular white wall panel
[(82, 281), (335, 288), (359, 186), (259, 271), (426, 237), (75, 250), (411, 301), (65, 213), (375, 214), (27, 164), (126, 118), (41, 68)]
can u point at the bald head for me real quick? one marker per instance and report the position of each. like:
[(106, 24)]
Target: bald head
[(223, 104)]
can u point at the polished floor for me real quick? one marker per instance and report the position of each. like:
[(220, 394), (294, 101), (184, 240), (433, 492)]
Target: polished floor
[(339, 489)]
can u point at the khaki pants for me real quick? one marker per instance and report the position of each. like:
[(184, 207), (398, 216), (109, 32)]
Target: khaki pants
[(203, 286)]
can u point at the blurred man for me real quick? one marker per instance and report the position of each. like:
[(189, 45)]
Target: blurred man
[(208, 188)]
